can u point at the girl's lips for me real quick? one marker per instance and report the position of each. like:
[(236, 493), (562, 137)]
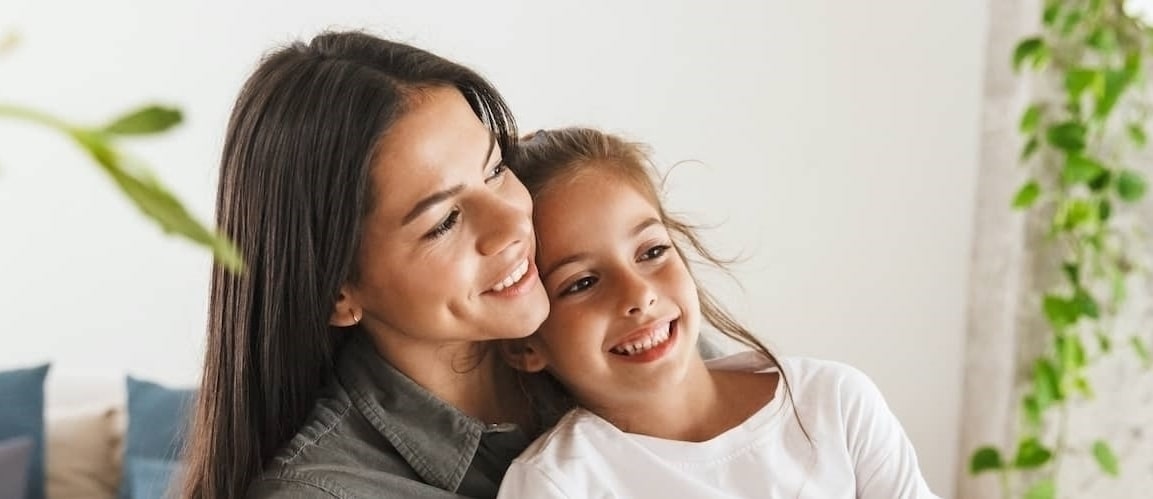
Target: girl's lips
[(654, 352), (643, 339)]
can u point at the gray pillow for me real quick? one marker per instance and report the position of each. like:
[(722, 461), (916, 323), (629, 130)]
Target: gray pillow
[(15, 454)]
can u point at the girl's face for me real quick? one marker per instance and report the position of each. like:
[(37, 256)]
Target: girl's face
[(624, 310), (448, 250)]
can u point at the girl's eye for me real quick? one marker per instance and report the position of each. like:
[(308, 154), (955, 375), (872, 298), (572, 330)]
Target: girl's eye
[(445, 226), (497, 172), (578, 286), (655, 252)]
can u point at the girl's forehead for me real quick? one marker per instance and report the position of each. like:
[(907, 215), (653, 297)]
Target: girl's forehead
[(594, 175)]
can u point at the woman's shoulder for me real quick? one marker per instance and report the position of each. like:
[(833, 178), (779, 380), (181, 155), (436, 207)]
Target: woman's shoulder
[(337, 453)]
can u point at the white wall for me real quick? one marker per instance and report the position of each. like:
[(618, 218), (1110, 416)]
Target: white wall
[(838, 141)]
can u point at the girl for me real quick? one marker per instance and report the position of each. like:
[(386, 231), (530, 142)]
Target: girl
[(655, 419)]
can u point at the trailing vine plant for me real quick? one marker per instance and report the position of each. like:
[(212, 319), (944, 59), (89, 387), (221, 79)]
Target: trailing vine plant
[(1081, 136), (101, 142)]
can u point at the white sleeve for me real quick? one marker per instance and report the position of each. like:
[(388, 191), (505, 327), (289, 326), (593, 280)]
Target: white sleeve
[(524, 480), (883, 457)]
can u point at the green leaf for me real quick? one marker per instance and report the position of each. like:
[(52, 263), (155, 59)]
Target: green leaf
[(1072, 351), (1027, 49), (985, 459), (1105, 458), (1077, 80), (1073, 214), (1046, 383), (1050, 14), (1060, 312), (1030, 118), (1130, 186), (1100, 182), (154, 200), (1141, 350), (1102, 39), (1032, 410), (1068, 136), (1081, 170), (1104, 210), (1104, 342), (1026, 195), (1031, 454), (1115, 84), (1030, 148), (147, 120), (1085, 304), (1072, 272), (1120, 289), (1137, 134), (1072, 19), (1044, 489)]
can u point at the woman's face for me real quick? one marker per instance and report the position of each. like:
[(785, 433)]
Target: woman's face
[(448, 249)]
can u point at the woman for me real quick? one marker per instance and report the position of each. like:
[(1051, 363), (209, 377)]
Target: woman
[(386, 244)]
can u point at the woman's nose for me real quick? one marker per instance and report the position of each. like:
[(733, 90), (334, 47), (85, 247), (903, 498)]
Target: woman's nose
[(503, 224)]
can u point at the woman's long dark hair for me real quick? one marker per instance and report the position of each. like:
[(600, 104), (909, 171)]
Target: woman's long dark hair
[(294, 192)]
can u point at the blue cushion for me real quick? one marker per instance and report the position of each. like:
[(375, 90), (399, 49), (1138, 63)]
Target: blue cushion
[(22, 415), (153, 478), (157, 419), (15, 455)]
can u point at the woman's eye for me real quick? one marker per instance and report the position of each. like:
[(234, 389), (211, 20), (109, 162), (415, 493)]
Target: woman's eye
[(655, 252), (578, 286), (445, 226), (497, 172)]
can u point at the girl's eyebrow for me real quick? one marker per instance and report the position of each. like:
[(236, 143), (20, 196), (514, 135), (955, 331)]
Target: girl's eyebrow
[(564, 261), (646, 223)]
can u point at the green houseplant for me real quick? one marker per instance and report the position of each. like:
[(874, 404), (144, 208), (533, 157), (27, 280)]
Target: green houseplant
[(1083, 135)]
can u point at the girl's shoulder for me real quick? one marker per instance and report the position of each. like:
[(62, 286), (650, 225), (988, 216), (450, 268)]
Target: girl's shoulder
[(809, 379)]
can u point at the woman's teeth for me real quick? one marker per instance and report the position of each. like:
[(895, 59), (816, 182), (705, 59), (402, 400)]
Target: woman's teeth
[(513, 277), (655, 338)]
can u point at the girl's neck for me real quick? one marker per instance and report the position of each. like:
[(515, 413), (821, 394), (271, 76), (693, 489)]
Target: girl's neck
[(707, 404)]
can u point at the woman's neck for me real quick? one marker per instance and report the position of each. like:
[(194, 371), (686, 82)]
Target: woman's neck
[(705, 405), (470, 376)]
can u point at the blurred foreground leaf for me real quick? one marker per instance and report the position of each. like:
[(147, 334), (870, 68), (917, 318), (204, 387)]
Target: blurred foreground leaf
[(135, 181)]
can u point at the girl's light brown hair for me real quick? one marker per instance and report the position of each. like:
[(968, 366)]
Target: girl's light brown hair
[(546, 159)]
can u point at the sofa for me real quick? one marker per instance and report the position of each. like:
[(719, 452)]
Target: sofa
[(100, 438)]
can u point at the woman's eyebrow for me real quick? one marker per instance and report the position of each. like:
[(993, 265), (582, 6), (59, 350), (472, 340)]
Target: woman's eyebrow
[(432, 199)]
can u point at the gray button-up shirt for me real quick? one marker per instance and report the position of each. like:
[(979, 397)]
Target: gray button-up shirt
[(376, 433)]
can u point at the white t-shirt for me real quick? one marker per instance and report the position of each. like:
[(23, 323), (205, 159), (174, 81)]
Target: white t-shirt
[(858, 449)]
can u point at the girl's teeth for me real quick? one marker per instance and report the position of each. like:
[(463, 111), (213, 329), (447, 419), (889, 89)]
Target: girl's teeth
[(654, 339)]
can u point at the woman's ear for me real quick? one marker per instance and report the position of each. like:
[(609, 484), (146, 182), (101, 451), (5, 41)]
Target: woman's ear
[(523, 354), (345, 312)]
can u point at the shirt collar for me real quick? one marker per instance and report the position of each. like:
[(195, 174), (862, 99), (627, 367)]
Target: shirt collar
[(435, 438)]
